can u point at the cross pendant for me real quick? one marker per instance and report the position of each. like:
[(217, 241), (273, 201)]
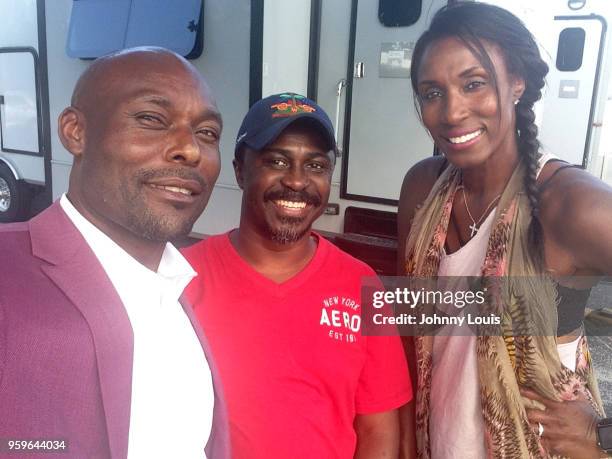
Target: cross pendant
[(474, 229)]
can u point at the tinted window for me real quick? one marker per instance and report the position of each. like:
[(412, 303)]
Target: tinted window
[(399, 13), (571, 49), (98, 27)]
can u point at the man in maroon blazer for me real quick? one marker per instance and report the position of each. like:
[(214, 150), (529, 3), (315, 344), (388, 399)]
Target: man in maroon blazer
[(96, 354)]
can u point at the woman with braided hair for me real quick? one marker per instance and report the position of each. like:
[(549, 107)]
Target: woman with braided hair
[(494, 205)]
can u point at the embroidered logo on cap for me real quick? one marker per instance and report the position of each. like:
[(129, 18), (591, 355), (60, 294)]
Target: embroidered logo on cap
[(241, 136), (293, 106)]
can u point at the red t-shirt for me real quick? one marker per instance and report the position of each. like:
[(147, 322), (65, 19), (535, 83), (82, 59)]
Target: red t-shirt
[(294, 367)]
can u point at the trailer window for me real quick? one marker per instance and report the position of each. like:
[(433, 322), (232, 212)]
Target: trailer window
[(286, 44), (399, 13), (571, 49), (20, 122), (98, 27)]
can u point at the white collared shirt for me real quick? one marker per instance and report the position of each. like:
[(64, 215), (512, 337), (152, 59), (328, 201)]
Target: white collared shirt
[(172, 392)]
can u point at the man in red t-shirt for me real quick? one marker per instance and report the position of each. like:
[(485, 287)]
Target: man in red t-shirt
[(281, 306)]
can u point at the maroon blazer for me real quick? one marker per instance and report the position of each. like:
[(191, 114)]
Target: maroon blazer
[(66, 344)]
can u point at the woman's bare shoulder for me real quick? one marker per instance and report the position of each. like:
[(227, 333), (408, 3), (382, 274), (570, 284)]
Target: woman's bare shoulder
[(576, 213), (417, 184), (419, 180)]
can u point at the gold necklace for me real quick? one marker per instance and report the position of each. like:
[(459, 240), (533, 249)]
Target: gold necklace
[(475, 226)]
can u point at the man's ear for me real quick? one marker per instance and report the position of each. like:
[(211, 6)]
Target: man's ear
[(333, 159), (71, 130), (237, 163)]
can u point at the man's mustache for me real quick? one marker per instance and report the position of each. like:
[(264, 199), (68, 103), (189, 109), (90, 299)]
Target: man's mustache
[(290, 195), (145, 175)]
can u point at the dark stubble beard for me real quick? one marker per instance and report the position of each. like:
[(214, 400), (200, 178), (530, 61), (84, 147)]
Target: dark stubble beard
[(146, 223), (289, 232)]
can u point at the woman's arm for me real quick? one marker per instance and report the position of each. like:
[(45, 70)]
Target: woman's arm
[(417, 184), (576, 214)]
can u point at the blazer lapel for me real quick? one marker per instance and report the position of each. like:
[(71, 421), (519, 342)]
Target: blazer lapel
[(76, 271)]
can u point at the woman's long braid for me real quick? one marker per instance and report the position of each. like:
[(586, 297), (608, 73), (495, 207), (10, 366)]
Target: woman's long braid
[(534, 71)]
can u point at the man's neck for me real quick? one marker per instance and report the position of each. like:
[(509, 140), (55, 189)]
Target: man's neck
[(148, 253), (145, 251), (276, 261)]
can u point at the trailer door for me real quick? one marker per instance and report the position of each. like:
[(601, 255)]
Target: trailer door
[(569, 102), (383, 135)]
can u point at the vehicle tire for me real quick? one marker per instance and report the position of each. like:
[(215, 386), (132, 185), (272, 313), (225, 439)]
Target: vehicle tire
[(14, 201)]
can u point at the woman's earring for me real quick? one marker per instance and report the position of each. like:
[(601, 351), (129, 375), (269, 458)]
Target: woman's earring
[(517, 101)]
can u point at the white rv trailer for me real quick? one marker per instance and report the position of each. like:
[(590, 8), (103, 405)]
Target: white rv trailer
[(352, 56)]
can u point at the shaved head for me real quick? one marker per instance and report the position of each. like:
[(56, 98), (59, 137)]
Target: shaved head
[(144, 130), (112, 69)]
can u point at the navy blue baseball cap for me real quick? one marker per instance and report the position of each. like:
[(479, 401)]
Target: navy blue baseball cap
[(268, 117)]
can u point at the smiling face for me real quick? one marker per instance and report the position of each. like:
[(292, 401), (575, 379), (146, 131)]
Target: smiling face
[(145, 132), (286, 185), (460, 105)]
